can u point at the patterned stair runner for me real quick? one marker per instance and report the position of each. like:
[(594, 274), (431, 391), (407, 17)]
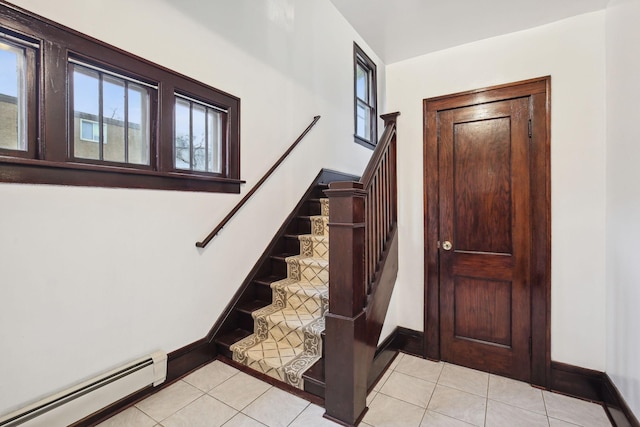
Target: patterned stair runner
[(286, 339)]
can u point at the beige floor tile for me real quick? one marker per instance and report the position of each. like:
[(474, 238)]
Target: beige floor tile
[(382, 380), (241, 420), (396, 361), (371, 396), (516, 393), (503, 415), (169, 400), (204, 412), (312, 417), (276, 408), (434, 419), (458, 404), (410, 389), (130, 417), (211, 375), (239, 390), (575, 411), (464, 379), (420, 368), (386, 411)]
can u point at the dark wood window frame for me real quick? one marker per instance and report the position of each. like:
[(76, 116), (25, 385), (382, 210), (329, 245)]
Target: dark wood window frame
[(362, 59), (48, 158)]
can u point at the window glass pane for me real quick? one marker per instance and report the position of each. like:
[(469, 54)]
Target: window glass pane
[(113, 114), (199, 138), (183, 134), (138, 98), (12, 97), (214, 140), (362, 83), (86, 110), (363, 120), (125, 133)]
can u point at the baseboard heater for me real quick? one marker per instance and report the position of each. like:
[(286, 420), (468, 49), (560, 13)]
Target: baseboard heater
[(75, 403)]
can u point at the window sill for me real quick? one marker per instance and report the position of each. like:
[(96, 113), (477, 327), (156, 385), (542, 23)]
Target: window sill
[(364, 142), (29, 171)]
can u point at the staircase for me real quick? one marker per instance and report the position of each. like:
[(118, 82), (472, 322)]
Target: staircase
[(275, 323), (290, 277), (287, 334)]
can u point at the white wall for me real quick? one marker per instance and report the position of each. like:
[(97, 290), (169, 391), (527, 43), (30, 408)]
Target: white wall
[(572, 51), (65, 314), (623, 199)]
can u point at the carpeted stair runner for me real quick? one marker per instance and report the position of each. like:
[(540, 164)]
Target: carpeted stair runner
[(287, 334)]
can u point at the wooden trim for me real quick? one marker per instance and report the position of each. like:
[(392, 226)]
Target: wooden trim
[(617, 407), (50, 156), (539, 92), (180, 363), (357, 51), (594, 386)]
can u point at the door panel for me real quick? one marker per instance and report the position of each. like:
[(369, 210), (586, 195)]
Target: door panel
[(492, 325), (484, 211), (482, 186)]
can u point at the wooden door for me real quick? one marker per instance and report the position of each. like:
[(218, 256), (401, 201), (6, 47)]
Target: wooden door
[(485, 234)]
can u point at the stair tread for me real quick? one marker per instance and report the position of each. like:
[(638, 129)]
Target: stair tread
[(282, 256), (233, 336), (268, 280), (251, 306)]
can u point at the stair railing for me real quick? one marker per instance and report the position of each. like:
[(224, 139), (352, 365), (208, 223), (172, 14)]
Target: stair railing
[(363, 265), (255, 188)]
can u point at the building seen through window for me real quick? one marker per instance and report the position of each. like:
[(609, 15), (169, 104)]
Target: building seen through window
[(12, 97), (122, 107)]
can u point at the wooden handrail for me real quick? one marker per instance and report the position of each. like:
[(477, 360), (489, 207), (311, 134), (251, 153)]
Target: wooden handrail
[(381, 148), (244, 200)]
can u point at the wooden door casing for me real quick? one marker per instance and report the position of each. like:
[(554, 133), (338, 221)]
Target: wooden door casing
[(520, 280)]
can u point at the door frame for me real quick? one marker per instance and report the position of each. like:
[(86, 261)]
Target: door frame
[(539, 91)]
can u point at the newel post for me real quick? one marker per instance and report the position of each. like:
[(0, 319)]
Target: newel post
[(345, 364)]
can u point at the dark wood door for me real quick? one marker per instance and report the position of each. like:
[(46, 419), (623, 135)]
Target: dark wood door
[(485, 235)]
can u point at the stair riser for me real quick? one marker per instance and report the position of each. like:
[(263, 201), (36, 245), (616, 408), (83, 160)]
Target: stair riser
[(308, 272), (320, 225), (312, 246)]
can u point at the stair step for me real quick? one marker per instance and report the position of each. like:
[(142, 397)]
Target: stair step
[(251, 306), (225, 341), (267, 281), (282, 257), (314, 379)]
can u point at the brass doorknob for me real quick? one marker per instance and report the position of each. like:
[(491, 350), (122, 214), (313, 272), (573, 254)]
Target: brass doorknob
[(446, 245)]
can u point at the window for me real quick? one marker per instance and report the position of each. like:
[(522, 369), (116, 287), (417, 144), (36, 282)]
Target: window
[(17, 57), (198, 135), (90, 131), (365, 90), (121, 105), (75, 111)]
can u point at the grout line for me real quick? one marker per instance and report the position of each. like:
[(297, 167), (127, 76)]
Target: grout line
[(298, 416), (486, 402)]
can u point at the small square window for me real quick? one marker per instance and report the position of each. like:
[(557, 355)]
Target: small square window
[(90, 131)]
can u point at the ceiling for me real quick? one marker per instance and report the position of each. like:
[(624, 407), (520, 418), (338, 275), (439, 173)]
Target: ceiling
[(401, 29)]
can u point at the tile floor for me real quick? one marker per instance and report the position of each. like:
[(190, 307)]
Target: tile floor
[(413, 393)]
